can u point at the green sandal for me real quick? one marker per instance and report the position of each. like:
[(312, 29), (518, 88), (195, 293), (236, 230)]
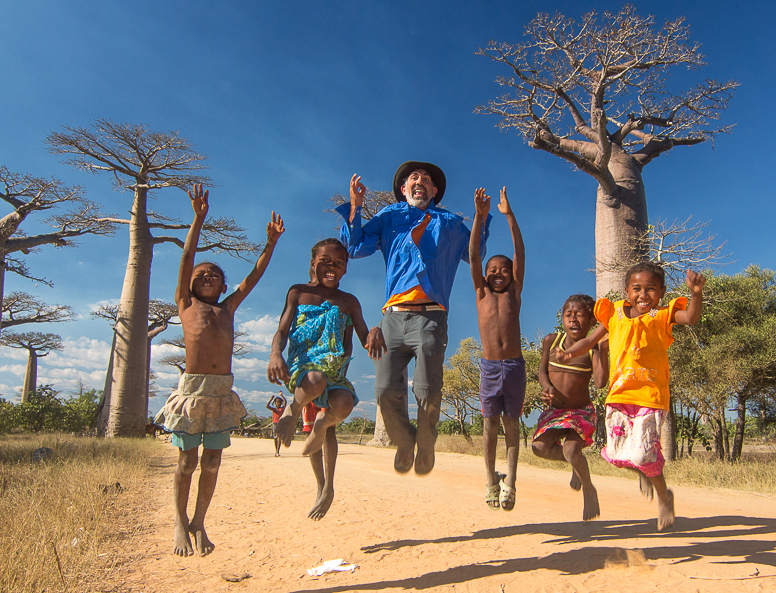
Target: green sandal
[(507, 497), (492, 495)]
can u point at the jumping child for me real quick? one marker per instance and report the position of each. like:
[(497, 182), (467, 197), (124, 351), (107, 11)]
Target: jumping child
[(204, 408), (639, 337), (276, 405), (318, 322), (502, 377), (567, 425)]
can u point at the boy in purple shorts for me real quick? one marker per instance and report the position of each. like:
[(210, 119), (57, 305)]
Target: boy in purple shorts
[(204, 408), (502, 378)]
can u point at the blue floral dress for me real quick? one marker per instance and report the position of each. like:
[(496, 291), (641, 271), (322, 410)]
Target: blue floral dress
[(315, 343)]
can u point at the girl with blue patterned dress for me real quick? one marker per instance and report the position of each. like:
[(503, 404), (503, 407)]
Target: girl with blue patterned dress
[(317, 325)]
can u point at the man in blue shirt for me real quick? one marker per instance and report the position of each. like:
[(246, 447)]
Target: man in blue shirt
[(422, 246)]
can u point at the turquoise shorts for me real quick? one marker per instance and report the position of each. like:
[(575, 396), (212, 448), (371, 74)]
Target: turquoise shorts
[(211, 440)]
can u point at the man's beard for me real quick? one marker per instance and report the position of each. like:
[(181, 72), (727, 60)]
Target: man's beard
[(421, 203)]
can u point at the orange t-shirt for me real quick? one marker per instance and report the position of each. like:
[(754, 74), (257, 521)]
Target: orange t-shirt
[(416, 293), (638, 351)]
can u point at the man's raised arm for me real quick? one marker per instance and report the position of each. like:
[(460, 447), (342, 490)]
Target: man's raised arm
[(359, 241)]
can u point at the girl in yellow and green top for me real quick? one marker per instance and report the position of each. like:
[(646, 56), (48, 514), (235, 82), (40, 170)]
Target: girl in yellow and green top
[(639, 336)]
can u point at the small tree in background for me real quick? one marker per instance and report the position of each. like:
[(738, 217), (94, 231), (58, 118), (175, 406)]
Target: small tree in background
[(37, 345)]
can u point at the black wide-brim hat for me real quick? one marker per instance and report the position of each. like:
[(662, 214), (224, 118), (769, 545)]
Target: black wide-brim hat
[(437, 176)]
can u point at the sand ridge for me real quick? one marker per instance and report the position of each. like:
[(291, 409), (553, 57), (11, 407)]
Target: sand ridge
[(436, 533)]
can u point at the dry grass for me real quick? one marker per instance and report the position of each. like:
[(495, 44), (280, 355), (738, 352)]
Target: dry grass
[(67, 525), (755, 473)]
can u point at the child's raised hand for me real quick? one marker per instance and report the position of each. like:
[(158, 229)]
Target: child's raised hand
[(277, 370), (275, 228), (503, 205), (357, 191), (695, 282), (562, 355), (481, 202), (199, 201)]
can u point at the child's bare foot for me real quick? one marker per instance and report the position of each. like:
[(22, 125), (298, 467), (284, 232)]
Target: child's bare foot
[(575, 483), (314, 441), (665, 517), (202, 544), (424, 462), (286, 427), (322, 505), (591, 510), (645, 486), (182, 546)]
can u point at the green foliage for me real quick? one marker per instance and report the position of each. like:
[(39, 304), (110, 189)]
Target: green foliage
[(47, 412), (357, 425), (731, 353), (452, 426)]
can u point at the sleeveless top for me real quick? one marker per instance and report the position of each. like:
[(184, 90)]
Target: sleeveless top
[(578, 364)]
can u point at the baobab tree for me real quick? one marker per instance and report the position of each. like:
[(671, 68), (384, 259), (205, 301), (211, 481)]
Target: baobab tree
[(37, 344), (160, 316), (142, 161), (20, 308), (26, 194), (594, 93)]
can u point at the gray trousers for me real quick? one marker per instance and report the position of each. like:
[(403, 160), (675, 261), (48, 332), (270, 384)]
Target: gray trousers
[(421, 335)]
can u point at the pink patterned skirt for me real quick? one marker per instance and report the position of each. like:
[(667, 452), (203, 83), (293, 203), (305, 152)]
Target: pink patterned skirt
[(633, 438), (580, 420)]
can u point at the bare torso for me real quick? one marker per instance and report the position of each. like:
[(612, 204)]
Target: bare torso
[(208, 332), (498, 315), (573, 387)]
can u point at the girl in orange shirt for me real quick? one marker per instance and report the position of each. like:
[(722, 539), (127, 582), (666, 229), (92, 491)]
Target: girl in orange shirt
[(639, 336)]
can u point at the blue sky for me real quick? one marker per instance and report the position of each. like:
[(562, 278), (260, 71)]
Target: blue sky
[(289, 99)]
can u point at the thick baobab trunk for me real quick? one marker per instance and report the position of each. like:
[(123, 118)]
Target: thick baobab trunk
[(668, 434), (129, 380), (2, 284), (620, 223), (103, 408), (30, 377), (381, 435)]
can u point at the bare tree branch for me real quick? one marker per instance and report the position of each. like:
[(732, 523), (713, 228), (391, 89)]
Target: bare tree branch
[(20, 308)]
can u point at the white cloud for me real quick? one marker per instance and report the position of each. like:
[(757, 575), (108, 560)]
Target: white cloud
[(256, 399), (67, 378), (83, 352), (14, 369), (260, 331), (106, 303)]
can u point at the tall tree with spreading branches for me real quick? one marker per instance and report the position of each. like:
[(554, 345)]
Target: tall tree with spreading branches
[(26, 194), (594, 93), (37, 344), (142, 161)]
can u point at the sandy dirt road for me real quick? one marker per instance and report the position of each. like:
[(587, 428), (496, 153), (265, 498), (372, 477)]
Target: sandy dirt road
[(407, 533)]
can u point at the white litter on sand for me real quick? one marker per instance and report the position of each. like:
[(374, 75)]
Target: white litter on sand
[(331, 566)]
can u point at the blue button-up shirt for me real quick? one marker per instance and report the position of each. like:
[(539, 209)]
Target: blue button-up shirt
[(432, 264)]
